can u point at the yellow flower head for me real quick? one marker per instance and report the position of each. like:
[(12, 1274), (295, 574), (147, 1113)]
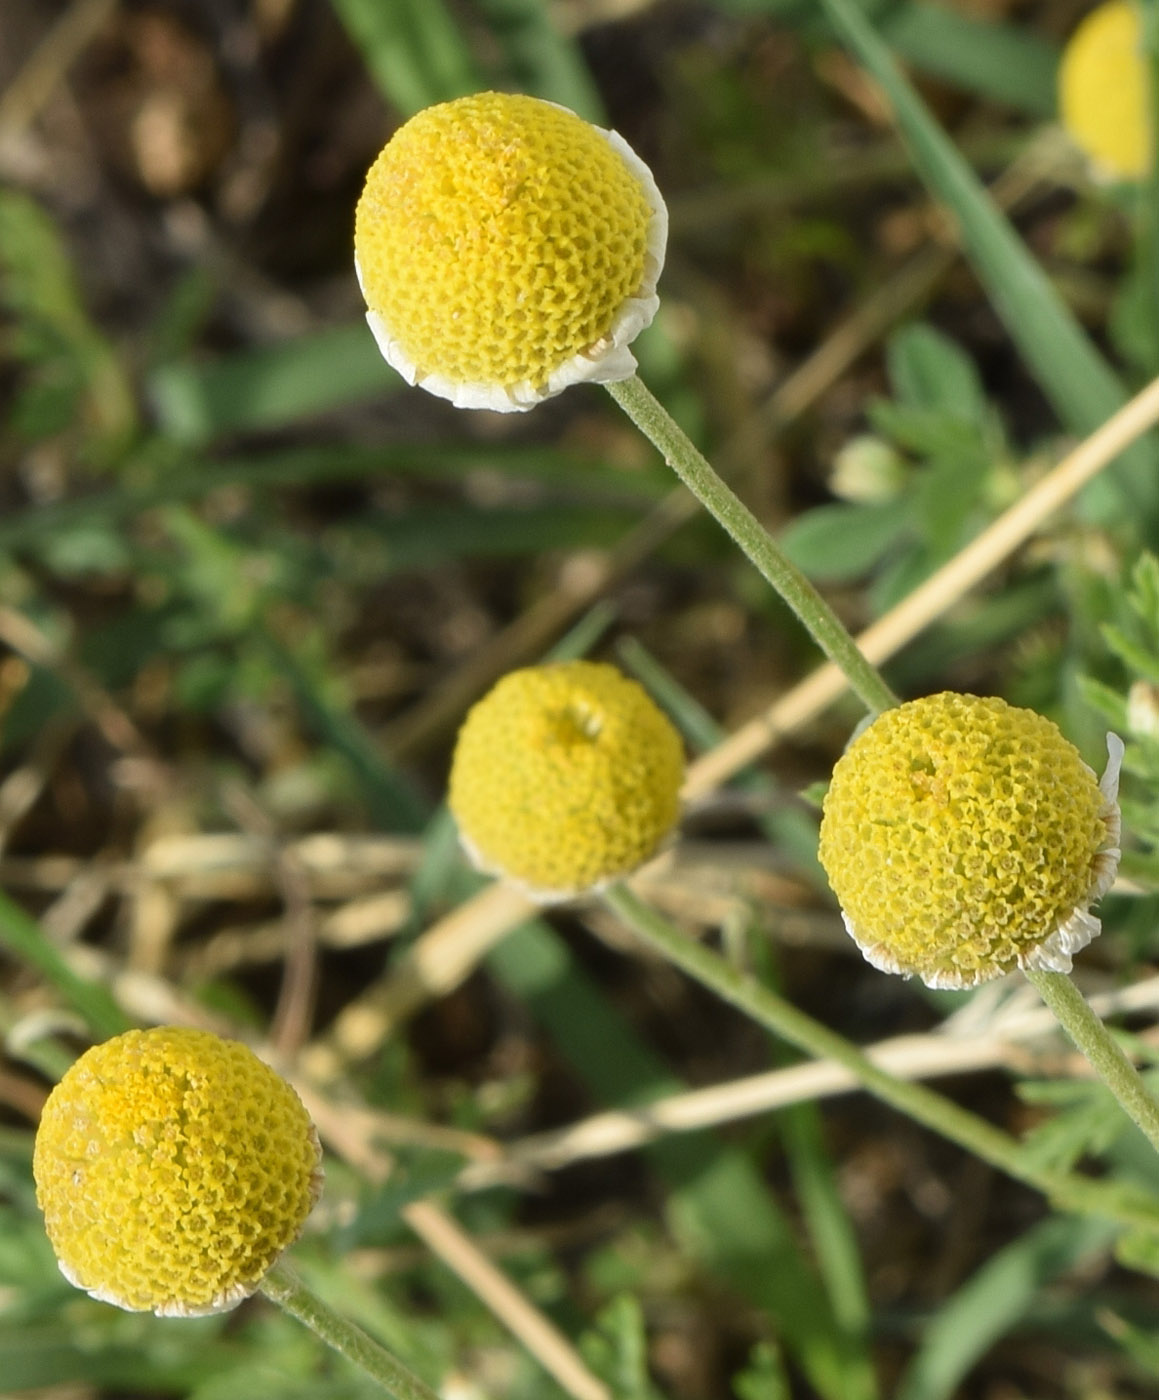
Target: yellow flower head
[(173, 1167), (506, 249), (1103, 91), (565, 777), (964, 837)]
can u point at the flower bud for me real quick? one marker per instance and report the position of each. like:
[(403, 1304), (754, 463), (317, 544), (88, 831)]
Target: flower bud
[(965, 837), (564, 778), (173, 1168), (506, 249)]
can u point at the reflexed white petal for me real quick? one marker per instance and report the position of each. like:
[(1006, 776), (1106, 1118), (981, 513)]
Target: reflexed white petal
[(1109, 782), (875, 954), (1054, 954), (223, 1302), (541, 896)]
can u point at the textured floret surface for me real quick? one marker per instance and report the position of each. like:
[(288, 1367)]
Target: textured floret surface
[(173, 1167), (565, 777), (958, 834), (497, 237)]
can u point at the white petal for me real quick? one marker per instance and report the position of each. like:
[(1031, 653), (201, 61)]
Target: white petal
[(1109, 782), (1106, 863), (1053, 954)]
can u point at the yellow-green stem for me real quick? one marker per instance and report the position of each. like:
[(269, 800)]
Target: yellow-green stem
[(721, 502), (1101, 1049), (1079, 1194), (282, 1286)]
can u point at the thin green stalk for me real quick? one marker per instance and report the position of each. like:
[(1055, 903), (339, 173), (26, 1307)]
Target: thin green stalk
[(1081, 1195), (282, 1286), (1101, 1049), (694, 470)]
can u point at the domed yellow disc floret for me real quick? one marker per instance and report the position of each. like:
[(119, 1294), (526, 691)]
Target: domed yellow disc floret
[(1103, 91), (565, 777), (964, 837), (173, 1167), (506, 249)]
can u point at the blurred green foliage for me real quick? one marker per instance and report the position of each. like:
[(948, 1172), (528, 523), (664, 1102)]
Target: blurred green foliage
[(235, 514)]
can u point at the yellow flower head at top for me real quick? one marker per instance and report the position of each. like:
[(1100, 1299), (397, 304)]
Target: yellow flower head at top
[(506, 249), (564, 778), (173, 1168), (1103, 91), (965, 837)]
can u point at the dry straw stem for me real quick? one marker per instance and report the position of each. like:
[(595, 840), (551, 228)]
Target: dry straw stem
[(67, 917), (513, 1308), (437, 962), (998, 1045), (180, 868), (294, 1012), (29, 92), (448, 951), (21, 789), (352, 925), (938, 594), (346, 1133), (235, 865)]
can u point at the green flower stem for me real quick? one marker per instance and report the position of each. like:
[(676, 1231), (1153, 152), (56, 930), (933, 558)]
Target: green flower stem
[(1101, 1049), (1078, 1194), (282, 1286), (693, 469)]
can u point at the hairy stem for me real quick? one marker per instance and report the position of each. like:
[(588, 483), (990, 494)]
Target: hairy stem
[(1101, 1049), (721, 502), (282, 1286), (1068, 1191)]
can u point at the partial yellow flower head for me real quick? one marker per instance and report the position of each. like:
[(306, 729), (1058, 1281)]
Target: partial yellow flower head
[(173, 1168), (506, 249), (564, 778), (965, 837), (1103, 91)]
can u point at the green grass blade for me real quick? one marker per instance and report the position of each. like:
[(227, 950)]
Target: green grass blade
[(998, 62), (718, 1204), (425, 537), (787, 824), (188, 478), (831, 1232), (993, 1301), (830, 1228), (271, 386), (53, 335), (413, 49), (22, 937), (1081, 386), (394, 804), (562, 470), (585, 634), (991, 59), (541, 60)]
